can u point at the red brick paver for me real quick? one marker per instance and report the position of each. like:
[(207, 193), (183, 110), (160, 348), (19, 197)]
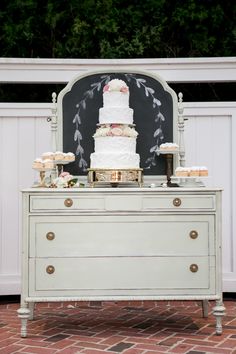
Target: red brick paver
[(124, 327)]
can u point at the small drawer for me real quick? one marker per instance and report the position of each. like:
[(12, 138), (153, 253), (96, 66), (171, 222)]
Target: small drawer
[(65, 203), (179, 202)]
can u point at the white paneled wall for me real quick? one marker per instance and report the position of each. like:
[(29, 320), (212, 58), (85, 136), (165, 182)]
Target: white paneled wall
[(22, 138), (210, 135)]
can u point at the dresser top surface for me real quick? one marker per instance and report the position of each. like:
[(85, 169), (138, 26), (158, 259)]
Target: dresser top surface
[(121, 190)]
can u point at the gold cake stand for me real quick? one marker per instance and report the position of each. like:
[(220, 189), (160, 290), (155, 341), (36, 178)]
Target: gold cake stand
[(115, 176)]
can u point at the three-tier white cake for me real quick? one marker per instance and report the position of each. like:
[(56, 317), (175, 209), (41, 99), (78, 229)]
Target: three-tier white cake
[(115, 138)]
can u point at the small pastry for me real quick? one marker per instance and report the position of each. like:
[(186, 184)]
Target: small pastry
[(182, 172), (48, 164), (194, 171), (58, 156), (203, 171), (37, 164), (169, 146), (48, 156), (69, 156)]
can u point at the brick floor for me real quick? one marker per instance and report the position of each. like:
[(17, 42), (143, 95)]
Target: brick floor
[(123, 327)]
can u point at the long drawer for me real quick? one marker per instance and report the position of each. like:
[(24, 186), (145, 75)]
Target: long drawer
[(117, 273), (83, 236)]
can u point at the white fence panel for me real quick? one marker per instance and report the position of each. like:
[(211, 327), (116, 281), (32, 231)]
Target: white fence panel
[(210, 140), (171, 69), (210, 135), (22, 138)]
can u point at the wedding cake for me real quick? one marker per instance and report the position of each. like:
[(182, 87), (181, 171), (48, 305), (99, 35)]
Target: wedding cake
[(115, 137)]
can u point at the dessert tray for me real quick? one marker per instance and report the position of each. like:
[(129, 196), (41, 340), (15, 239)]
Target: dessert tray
[(42, 177), (190, 181), (115, 176), (45, 181)]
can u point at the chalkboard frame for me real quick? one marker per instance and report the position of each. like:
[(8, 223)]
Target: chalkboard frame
[(71, 83)]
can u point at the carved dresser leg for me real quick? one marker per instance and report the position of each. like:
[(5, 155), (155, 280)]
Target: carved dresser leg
[(219, 312), (205, 308), (24, 314), (31, 308)]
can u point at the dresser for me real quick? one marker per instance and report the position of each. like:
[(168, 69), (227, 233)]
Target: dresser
[(121, 244)]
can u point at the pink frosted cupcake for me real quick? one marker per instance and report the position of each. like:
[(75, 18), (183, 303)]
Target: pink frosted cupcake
[(203, 171), (182, 172), (194, 171)]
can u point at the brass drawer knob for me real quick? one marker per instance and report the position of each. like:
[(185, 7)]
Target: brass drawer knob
[(194, 268), (193, 234), (50, 236), (177, 202), (68, 202), (50, 269)]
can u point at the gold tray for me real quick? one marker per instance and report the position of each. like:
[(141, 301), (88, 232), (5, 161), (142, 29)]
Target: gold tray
[(115, 176)]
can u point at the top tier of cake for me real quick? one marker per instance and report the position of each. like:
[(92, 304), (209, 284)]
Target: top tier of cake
[(116, 104)]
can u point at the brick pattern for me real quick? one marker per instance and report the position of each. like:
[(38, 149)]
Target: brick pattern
[(124, 327)]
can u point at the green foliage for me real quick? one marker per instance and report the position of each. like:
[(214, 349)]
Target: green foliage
[(117, 28)]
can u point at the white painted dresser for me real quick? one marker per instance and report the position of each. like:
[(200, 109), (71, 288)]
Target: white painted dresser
[(121, 244)]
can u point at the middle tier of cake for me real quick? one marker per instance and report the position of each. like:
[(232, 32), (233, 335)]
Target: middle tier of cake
[(115, 152)]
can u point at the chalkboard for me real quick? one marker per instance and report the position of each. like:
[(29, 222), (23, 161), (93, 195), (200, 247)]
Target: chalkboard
[(153, 116)]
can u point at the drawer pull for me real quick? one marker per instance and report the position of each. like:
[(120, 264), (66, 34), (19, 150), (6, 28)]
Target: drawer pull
[(177, 202), (68, 202), (50, 236), (193, 234), (50, 269), (194, 268)]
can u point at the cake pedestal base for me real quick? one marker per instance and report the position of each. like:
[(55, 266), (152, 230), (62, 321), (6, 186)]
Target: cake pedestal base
[(115, 176), (169, 168)]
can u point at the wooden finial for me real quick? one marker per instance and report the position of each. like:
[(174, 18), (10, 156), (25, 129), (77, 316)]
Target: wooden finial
[(180, 95), (54, 97)]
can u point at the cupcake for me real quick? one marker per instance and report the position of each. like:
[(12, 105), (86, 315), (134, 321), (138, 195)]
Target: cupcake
[(169, 146), (37, 164), (203, 171), (182, 172), (69, 156), (48, 156), (58, 156), (48, 164), (194, 171)]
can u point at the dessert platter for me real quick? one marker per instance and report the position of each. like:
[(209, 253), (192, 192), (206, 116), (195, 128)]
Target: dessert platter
[(168, 150), (191, 176), (50, 167), (114, 159)]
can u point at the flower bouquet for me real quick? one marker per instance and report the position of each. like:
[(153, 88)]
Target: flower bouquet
[(66, 180)]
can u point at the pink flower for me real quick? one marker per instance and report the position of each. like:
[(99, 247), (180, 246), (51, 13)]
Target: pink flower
[(64, 174), (124, 89), (117, 131), (105, 88)]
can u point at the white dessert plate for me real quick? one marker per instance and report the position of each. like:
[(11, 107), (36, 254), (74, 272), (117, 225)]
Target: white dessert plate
[(42, 169), (190, 177), (158, 151), (61, 162)]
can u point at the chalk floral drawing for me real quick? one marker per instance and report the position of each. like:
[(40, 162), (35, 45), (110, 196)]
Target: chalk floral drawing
[(159, 118), (95, 88), (81, 106)]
